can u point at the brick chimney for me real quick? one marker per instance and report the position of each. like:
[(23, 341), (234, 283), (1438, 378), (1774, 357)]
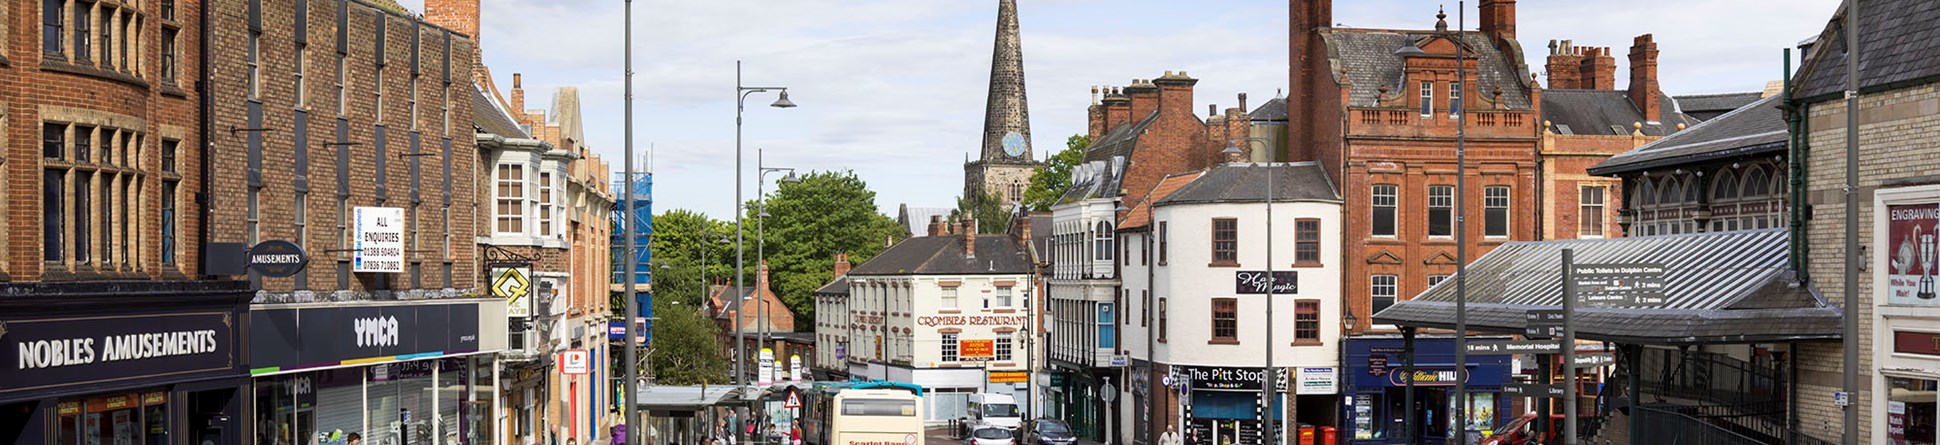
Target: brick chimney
[(1643, 77), (936, 225), (1095, 116), (1145, 99), (518, 97), (1499, 20), (1599, 69), (841, 264), (969, 235), (1564, 60), (1175, 93), (1118, 109), (455, 15)]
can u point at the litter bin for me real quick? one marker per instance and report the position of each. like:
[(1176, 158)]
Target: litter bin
[(1327, 435)]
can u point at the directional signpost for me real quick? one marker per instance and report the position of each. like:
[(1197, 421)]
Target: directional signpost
[(1596, 360), (1533, 390), (1634, 284)]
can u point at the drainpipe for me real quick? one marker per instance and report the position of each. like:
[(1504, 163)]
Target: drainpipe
[(205, 125), (1795, 123)]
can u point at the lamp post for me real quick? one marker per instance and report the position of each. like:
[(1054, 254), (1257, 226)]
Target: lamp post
[(741, 94), (760, 235), (1270, 384)]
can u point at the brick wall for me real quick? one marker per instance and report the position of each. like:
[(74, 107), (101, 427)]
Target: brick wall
[(432, 226), (1897, 129), (134, 100), (1566, 161)]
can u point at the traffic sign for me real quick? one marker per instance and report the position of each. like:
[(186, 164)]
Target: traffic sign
[(1516, 347), (794, 400), (1533, 390), (1596, 360)]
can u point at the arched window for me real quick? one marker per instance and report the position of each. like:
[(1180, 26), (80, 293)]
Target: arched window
[(1756, 183), (1725, 187), (1105, 249), (1691, 190), (1646, 195), (1669, 194)]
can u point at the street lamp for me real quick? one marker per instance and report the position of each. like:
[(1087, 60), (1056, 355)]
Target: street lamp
[(741, 94), (1269, 386), (761, 217)]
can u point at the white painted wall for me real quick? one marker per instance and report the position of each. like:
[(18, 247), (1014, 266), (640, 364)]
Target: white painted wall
[(1189, 284)]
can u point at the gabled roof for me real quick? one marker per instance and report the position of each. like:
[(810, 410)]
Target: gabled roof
[(1247, 182), (1898, 43), (838, 286), (943, 255), (1753, 129), (487, 117), (1607, 113), (1141, 216), (1719, 287), (1368, 56)]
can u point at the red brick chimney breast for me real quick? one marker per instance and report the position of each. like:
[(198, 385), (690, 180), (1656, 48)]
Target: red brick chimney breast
[(1145, 99), (455, 15), (1643, 77)]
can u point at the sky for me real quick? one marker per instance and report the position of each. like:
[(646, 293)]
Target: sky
[(894, 90)]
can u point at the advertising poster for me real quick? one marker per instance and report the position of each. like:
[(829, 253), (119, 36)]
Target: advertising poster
[(1481, 415), (380, 240), (1912, 264), (1896, 423)]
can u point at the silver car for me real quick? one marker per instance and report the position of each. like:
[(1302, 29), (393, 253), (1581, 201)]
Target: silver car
[(991, 436)]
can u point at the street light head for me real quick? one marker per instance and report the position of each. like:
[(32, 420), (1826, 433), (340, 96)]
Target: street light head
[(791, 178), (763, 214), (1231, 150), (783, 102)]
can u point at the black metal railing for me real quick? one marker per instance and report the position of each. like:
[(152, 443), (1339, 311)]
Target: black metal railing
[(1711, 377), (1660, 426)]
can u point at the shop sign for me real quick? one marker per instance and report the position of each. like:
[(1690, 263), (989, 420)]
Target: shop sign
[(1428, 376), (277, 258), (1317, 381), (1254, 282), (1221, 378), (1912, 255), (514, 284), (971, 320), (1377, 365), (37, 354), (976, 349), (1919, 343), (380, 240), (1009, 376), (282, 339), (575, 362)]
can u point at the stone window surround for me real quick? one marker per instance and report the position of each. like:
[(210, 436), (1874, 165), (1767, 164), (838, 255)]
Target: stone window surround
[(135, 174)]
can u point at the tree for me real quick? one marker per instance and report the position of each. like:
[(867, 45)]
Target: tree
[(810, 221), (679, 237), (686, 348), (992, 213), (1054, 176)]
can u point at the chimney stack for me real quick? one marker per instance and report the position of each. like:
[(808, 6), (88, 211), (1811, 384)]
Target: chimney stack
[(841, 264), (1499, 20), (1564, 61), (936, 225), (1643, 77), (455, 15), (1118, 109), (1242, 104), (1599, 69), (1145, 99), (1175, 93), (969, 235), (518, 97), (1095, 116)]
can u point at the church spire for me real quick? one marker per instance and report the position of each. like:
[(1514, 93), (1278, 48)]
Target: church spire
[(1006, 125)]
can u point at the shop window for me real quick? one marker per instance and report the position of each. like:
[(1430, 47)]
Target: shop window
[(1225, 321), (128, 418), (1306, 322), (1910, 411), (1225, 242)]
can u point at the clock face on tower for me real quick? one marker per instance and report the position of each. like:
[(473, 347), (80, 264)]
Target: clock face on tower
[(1014, 144)]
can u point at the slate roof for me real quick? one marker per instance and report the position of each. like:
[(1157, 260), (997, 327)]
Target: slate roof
[(1272, 110), (1113, 151), (487, 117), (1607, 113), (1898, 43), (943, 255), (1141, 216), (1041, 234), (1753, 129), (1246, 182), (916, 220), (1704, 107), (1368, 56), (838, 286), (1719, 287)]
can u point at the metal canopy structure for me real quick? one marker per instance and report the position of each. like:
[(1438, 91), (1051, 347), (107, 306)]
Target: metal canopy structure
[(1719, 288)]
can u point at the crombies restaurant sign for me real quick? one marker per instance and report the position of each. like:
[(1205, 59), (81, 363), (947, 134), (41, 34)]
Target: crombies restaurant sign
[(44, 353)]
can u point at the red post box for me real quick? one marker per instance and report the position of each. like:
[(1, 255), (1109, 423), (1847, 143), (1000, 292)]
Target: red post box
[(1327, 435)]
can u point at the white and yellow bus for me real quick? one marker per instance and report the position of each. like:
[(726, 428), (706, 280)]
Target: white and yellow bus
[(867, 414)]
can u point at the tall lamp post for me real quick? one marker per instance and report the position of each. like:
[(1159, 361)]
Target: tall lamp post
[(760, 233), (741, 94), (631, 387), (1270, 386)]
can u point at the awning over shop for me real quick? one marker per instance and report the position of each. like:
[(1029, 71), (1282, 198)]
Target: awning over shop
[(1723, 287), (685, 398)]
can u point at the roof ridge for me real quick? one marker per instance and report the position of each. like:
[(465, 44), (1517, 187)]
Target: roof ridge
[(1704, 124)]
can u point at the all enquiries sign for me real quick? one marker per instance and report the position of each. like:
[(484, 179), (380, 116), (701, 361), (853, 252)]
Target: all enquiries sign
[(380, 240)]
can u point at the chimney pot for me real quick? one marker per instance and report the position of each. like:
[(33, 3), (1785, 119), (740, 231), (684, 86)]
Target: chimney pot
[(1212, 109), (1242, 102)]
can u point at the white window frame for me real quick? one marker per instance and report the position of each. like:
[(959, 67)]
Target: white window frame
[(1454, 100), (1427, 99), (1383, 286), (1441, 196), (1003, 297), (545, 200), (949, 300), (501, 200), (1584, 207), (1492, 201), (1393, 198), (950, 351)]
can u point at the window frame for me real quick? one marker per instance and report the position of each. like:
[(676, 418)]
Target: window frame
[(1306, 242), (1496, 208), (1002, 347), (1441, 198), (1427, 99), (949, 349), (1585, 211), (1306, 322), (54, 20), (252, 66), (948, 301), (1226, 247), (504, 201), (1164, 323), (1223, 310), (1376, 284), (1455, 100), (1392, 196), (1162, 243), (1004, 296)]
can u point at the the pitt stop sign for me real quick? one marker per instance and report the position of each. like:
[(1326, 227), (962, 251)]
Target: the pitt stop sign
[(277, 258)]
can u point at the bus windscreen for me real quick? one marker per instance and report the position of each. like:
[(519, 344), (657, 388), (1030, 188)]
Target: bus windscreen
[(878, 407)]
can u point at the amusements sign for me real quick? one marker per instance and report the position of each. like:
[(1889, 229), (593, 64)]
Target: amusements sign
[(1912, 264)]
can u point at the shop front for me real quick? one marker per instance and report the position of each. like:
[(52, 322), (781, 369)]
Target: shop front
[(1904, 410), (1377, 410), (121, 364), (392, 373), (1222, 403)]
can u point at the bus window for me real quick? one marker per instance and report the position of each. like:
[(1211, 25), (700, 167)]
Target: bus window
[(878, 407)]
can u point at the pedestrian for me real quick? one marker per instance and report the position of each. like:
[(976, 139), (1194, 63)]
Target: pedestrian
[(795, 435), (355, 439)]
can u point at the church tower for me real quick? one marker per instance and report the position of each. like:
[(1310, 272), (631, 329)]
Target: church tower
[(1006, 163)]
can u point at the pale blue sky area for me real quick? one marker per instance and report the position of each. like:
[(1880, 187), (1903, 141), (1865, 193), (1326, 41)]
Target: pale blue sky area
[(894, 89)]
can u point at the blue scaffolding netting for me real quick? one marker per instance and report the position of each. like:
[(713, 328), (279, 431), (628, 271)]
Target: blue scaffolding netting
[(642, 247)]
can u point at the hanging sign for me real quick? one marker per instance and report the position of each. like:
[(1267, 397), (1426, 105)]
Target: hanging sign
[(514, 284), (1285, 282), (277, 258)]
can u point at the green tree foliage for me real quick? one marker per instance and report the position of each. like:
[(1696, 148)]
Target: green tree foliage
[(810, 221), (993, 214), (686, 348), (1054, 176), (679, 237)]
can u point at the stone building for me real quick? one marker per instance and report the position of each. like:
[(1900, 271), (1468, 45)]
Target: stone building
[(1006, 162)]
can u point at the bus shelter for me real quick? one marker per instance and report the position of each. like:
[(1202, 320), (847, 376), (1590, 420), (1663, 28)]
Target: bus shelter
[(683, 415)]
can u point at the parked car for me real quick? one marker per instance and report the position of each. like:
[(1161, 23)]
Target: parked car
[(1523, 431), (991, 435), (1046, 431)]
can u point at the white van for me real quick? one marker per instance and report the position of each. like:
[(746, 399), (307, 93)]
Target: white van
[(996, 410)]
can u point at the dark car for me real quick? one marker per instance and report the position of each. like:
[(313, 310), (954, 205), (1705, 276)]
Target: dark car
[(1050, 432)]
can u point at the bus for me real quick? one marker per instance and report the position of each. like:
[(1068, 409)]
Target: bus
[(863, 413)]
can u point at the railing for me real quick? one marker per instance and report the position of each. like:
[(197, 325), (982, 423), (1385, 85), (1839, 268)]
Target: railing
[(1665, 427), (1711, 377)]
